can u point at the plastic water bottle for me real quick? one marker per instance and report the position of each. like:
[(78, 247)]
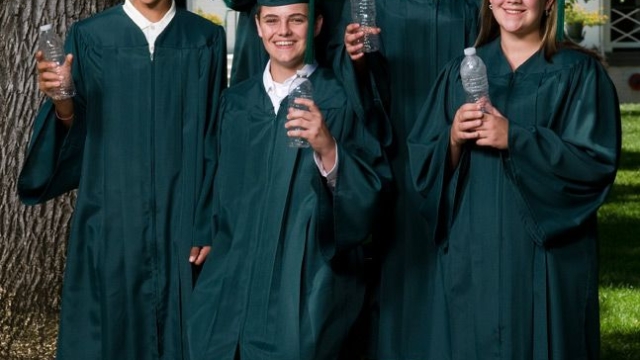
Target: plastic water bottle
[(363, 12), (53, 50), (473, 73), (300, 87)]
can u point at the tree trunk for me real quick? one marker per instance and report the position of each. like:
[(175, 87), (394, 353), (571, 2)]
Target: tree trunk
[(32, 239)]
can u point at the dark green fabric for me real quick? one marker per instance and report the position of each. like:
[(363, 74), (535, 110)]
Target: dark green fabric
[(137, 151), (332, 29), (517, 229), (284, 279), (560, 20), (418, 38), (249, 56)]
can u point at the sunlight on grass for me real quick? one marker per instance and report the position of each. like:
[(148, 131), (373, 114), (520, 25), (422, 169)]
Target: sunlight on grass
[(619, 221), (620, 314), (626, 300)]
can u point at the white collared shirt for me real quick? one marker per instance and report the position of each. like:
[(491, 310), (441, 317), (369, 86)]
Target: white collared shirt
[(277, 92), (150, 29)]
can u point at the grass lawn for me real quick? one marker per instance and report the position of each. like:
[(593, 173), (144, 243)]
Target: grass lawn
[(620, 250)]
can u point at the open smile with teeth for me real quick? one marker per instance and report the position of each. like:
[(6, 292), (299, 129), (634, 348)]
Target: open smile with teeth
[(284, 43), (515, 12)]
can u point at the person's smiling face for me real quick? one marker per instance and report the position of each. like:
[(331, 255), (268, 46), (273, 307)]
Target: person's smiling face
[(283, 30), (519, 17)]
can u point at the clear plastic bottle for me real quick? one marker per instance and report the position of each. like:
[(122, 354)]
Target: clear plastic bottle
[(300, 87), (363, 12), (473, 73), (53, 50)]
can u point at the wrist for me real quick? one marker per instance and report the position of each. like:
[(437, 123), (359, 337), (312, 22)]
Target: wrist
[(328, 151), (64, 117)]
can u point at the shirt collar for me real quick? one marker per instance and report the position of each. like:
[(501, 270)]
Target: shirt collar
[(269, 84), (141, 21)]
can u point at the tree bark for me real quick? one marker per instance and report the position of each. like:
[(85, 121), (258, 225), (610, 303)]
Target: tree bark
[(32, 239)]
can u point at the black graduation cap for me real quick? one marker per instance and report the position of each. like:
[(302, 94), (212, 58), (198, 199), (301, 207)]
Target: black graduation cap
[(309, 55)]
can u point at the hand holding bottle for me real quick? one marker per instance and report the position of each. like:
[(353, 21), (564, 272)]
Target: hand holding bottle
[(300, 88), (310, 126), (52, 76), (54, 67), (494, 130), (481, 123), (354, 39), (466, 121), (363, 12)]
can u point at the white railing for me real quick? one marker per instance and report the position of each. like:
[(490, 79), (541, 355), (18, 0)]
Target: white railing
[(229, 61), (625, 28)]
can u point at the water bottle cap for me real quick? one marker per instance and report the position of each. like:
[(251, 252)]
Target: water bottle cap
[(46, 27), (470, 51)]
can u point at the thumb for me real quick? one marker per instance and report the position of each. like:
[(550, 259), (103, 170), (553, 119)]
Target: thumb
[(193, 255), (203, 255), (490, 109)]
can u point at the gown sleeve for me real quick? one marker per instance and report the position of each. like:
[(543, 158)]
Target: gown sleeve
[(428, 148), (218, 81), (54, 157), (564, 170), (347, 213), (368, 92)]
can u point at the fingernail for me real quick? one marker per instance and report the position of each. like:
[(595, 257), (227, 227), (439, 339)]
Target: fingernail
[(192, 259)]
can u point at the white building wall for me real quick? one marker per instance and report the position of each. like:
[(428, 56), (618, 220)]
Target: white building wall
[(594, 35), (620, 76)]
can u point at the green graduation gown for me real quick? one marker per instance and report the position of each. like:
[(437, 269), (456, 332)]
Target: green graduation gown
[(418, 38), (137, 151), (516, 229), (283, 280)]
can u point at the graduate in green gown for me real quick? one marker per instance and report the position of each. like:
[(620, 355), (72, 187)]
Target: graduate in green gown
[(512, 192), (135, 141), (284, 277), (417, 39)]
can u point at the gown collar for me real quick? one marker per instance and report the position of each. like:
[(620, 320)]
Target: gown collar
[(276, 91), (497, 63)]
